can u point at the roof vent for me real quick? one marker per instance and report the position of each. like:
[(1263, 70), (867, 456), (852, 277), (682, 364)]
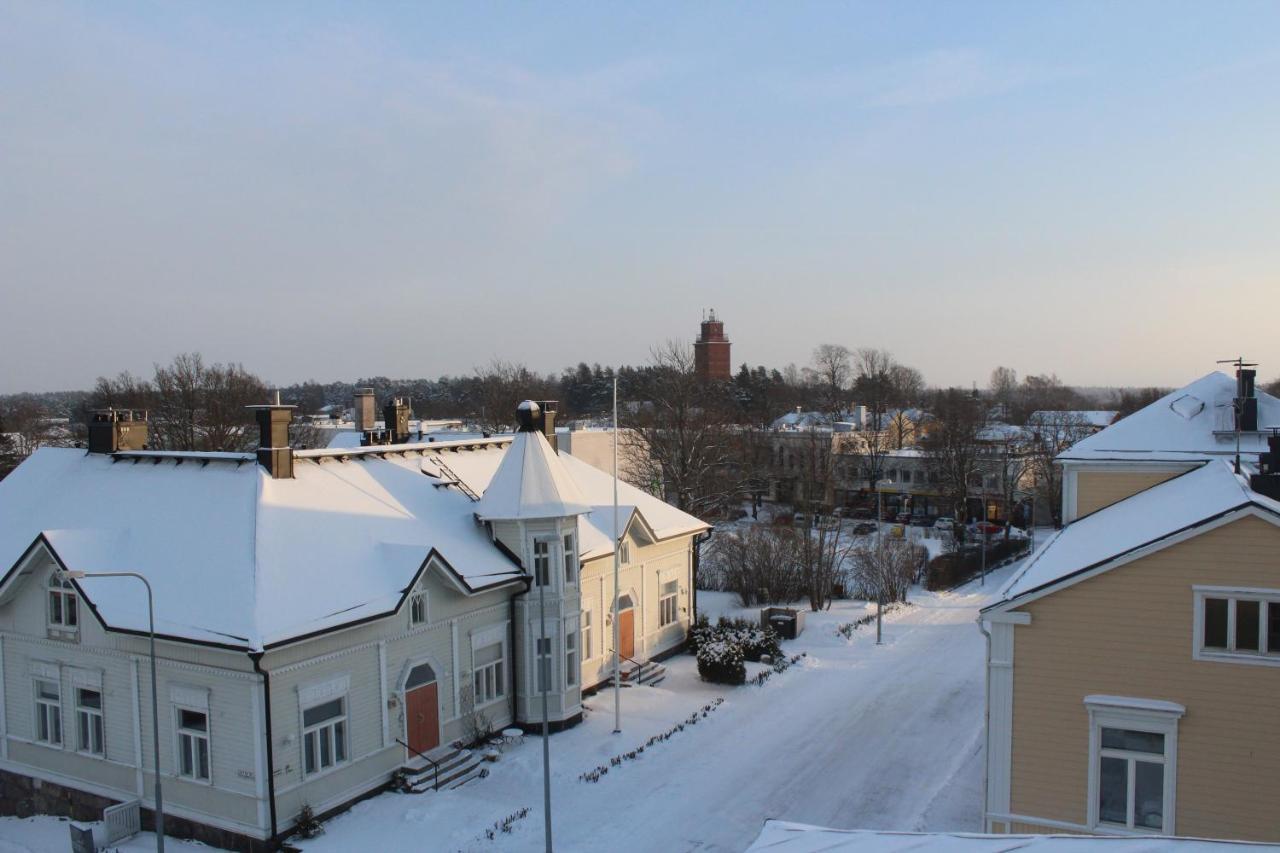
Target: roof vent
[(274, 452), (111, 430), (1187, 406)]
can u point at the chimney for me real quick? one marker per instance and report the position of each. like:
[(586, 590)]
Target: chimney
[(112, 430), (1267, 480), (545, 421), (1246, 400), (274, 452), (395, 419), (365, 411)]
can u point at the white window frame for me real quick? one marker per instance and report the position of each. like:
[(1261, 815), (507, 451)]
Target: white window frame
[(542, 563), (194, 735), (1146, 715), (624, 552), (1267, 598), (48, 710), (326, 729), (570, 553), (587, 632), (481, 698), (68, 602), (91, 713), (538, 657), (668, 601), (572, 662), (419, 600)]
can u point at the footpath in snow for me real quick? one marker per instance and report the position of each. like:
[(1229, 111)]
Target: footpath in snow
[(855, 736)]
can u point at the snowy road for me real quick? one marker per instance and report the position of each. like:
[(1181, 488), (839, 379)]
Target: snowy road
[(858, 737)]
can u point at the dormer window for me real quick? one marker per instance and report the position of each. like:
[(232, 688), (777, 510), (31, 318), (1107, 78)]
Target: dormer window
[(624, 552), (64, 616)]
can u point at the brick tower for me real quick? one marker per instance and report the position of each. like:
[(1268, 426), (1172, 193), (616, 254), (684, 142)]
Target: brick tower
[(711, 351)]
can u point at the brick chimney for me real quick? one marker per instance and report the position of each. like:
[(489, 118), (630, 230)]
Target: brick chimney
[(112, 429), (365, 410), (544, 420), (395, 420), (274, 452)]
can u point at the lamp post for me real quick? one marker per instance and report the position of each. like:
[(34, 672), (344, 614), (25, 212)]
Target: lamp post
[(155, 712), (880, 484)]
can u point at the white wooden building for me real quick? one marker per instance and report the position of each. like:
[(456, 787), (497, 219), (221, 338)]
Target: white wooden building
[(325, 617)]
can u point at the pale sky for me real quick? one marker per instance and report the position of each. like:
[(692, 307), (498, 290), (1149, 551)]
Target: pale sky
[(334, 190)]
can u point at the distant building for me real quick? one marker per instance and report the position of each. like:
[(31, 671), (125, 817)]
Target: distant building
[(711, 351)]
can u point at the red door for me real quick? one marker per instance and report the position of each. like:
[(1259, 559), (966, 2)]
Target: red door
[(627, 633), (422, 704)]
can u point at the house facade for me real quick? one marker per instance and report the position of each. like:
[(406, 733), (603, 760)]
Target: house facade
[(324, 618), (1133, 664)]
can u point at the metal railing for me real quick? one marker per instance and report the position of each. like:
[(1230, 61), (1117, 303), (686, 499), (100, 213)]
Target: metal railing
[(435, 766)]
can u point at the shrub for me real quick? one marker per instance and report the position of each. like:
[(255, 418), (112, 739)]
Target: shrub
[(721, 662), (308, 826)]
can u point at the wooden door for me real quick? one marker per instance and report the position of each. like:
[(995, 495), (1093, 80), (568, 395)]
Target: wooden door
[(627, 633), (422, 707)]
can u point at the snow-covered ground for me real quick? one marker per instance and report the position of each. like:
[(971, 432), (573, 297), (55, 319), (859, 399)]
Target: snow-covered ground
[(854, 737), (49, 834)]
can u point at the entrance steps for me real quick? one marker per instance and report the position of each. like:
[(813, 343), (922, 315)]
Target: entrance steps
[(453, 768), (634, 674)]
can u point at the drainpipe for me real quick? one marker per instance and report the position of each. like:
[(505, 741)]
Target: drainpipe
[(698, 542), (986, 725), (513, 659), (256, 657)]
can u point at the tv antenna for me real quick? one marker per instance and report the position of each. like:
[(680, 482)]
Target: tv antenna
[(1237, 404)]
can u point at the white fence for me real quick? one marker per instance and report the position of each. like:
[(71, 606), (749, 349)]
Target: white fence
[(122, 821)]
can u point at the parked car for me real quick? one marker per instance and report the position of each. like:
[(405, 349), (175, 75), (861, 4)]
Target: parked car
[(902, 518), (864, 528), (946, 524), (800, 519), (987, 527)]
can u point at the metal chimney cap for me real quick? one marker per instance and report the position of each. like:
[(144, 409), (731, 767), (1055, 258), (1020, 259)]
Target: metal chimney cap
[(526, 415)]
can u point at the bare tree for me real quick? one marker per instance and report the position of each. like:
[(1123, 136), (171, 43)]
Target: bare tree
[(953, 445), (678, 439), (499, 387), (821, 557), (832, 372), (1051, 434), (758, 563), (886, 570), (1009, 451), (1004, 390)]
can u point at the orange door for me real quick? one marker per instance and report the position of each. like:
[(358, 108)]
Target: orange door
[(422, 704), (627, 633)]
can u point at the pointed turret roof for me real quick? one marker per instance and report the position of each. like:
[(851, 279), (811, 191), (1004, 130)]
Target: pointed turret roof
[(530, 483)]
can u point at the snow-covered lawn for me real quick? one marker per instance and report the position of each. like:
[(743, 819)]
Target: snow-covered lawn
[(49, 834), (853, 737)]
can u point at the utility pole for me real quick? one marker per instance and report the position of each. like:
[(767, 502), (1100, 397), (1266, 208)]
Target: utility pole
[(617, 561), (544, 675)]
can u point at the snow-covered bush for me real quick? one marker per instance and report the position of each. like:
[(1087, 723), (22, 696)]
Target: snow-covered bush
[(754, 640), (721, 662), (308, 826)]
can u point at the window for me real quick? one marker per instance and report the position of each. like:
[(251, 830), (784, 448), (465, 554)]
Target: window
[(624, 553), (324, 735), (667, 603), (1243, 625), (488, 675), (193, 744), (63, 611), (541, 562), (906, 475), (570, 561), (587, 651), (1133, 760), (543, 668), (571, 658), (89, 729), (48, 712), (418, 608)]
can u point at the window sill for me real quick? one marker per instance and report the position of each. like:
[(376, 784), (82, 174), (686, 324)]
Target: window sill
[(1247, 658)]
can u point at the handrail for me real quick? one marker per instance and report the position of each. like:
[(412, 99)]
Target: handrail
[(633, 660), (435, 783)]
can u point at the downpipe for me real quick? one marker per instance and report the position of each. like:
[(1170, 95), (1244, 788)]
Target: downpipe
[(986, 724)]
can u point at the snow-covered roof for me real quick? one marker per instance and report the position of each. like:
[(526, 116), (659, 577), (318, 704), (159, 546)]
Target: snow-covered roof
[(787, 837), (1003, 432), (1195, 422), (531, 482), (238, 558), (1183, 503), (1098, 418), (803, 421)]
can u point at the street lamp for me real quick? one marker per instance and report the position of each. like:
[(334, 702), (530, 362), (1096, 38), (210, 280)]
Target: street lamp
[(155, 712), (880, 484)]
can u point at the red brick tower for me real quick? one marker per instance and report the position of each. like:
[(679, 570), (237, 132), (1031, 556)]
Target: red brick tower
[(711, 351)]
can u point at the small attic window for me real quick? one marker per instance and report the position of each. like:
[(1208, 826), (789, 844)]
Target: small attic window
[(64, 616), (418, 607), (1187, 406)]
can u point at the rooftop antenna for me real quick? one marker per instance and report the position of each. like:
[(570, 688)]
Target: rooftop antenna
[(1237, 404)]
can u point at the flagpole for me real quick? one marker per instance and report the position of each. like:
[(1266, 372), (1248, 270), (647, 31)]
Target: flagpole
[(617, 664)]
